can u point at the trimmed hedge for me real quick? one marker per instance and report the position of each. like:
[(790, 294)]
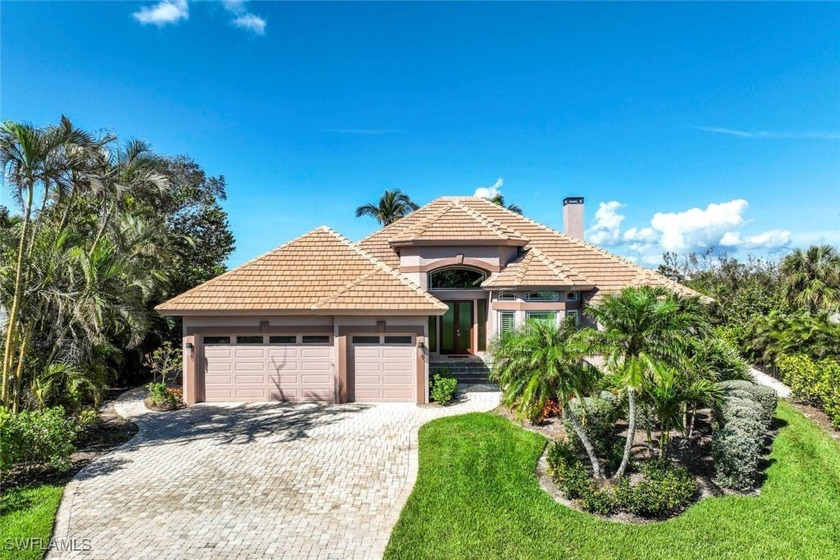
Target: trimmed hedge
[(815, 382), (763, 395), (741, 422)]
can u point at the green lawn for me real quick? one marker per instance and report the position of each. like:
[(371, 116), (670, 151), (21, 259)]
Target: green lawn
[(27, 512), (477, 497)]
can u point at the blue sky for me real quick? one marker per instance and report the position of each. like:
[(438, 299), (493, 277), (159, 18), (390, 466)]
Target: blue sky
[(683, 125)]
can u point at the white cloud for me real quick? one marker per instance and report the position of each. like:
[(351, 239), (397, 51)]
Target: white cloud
[(607, 227), (491, 191), (808, 135), (772, 240), (695, 229), (245, 19), (251, 22), (162, 13)]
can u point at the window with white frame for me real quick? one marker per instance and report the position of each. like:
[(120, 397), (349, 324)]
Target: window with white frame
[(574, 315), (507, 296), (507, 322), (571, 296), (545, 316), (542, 296)]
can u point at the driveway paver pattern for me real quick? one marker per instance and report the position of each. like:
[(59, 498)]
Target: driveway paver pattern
[(251, 481)]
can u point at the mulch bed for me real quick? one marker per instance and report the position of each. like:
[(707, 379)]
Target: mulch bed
[(112, 430), (817, 416), (694, 455)]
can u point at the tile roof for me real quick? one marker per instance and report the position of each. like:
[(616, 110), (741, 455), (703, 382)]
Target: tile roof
[(454, 221), (607, 272), (320, 270), (533, 269)]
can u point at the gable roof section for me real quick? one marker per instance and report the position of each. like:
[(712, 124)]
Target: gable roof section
[(534, 269), (609, 273), (453, 221), (318, 271)]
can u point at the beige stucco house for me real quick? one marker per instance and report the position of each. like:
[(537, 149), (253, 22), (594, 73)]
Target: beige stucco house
[(323, 318)]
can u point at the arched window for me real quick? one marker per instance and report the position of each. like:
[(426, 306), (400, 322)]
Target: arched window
[(456, 278), (507, 296)]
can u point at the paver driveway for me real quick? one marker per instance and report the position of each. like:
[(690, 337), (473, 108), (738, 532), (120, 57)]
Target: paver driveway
[(252, 481)]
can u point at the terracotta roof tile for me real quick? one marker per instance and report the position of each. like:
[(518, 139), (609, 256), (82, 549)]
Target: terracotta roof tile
[(320, 270)]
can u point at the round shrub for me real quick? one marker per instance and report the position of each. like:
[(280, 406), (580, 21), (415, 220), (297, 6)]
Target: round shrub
[(596, 417), (442, 388), (598, 499), (765, 396)]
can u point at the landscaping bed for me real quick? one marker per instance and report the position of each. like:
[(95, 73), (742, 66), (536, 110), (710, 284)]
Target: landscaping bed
[(30, 498), (477, 496)]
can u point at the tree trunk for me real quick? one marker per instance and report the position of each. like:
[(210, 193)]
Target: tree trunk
[(13, 313), (584, 439), (24, 346), (693, 417), (101, 230), (631, 432)]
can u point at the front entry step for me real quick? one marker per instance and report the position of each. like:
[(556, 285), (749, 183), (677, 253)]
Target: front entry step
[(468, 371)]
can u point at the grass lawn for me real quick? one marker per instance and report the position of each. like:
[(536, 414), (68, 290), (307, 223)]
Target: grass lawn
[(477, 497), (27, 512)]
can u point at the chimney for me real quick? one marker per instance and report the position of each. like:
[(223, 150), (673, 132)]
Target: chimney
[(573, 216)]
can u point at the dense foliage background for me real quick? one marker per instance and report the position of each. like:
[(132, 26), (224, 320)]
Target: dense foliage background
[(103, 231)]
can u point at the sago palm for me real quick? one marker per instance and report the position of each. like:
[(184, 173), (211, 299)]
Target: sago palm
[(391, 207), (542, 362)]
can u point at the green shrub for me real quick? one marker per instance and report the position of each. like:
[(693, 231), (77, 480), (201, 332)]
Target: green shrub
[(765, 396), (598, 499), (740, 407), (597, 417), (442, 388), (567, 470), (163, 396), (37, 438), (736, 451), (816, 382)]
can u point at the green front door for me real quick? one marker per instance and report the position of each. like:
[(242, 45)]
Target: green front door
[(456, 328)]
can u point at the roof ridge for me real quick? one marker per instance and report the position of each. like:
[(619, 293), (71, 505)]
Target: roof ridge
[(379, 264), (500, 228), (425, 223), (561, 269), (246, 263)]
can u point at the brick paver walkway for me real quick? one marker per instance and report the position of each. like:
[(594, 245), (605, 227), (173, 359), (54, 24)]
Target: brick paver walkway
[(252, 481)]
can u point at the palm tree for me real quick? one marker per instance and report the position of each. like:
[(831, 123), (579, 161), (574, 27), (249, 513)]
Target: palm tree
[(35, 158), (640, 326), (391, 207), (499, 199), (540, 363), (811, 278)]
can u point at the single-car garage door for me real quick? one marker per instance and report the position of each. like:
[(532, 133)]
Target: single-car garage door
[(268, 368), (384, 368)]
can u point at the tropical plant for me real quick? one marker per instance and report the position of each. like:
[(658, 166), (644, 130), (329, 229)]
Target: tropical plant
[(639, 327), (392, 206), (540, 363), (811, 278), (499, 199)]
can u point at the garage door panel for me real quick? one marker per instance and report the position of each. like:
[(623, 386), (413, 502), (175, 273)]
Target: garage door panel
[(383, 372), (268, 372)]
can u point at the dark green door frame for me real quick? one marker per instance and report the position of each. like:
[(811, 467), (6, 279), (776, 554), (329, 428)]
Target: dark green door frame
[(456, 328)]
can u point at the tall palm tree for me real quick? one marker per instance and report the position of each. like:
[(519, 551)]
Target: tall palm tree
[(640, 326), (499, 199), (391, 207), (540, 363), (811, 278), (31, 159)]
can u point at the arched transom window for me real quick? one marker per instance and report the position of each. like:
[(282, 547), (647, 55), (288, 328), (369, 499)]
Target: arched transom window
[(456, 278)]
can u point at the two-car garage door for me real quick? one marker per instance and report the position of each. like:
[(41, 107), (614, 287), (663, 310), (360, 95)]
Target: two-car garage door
[(303, 368), (269, 368)]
